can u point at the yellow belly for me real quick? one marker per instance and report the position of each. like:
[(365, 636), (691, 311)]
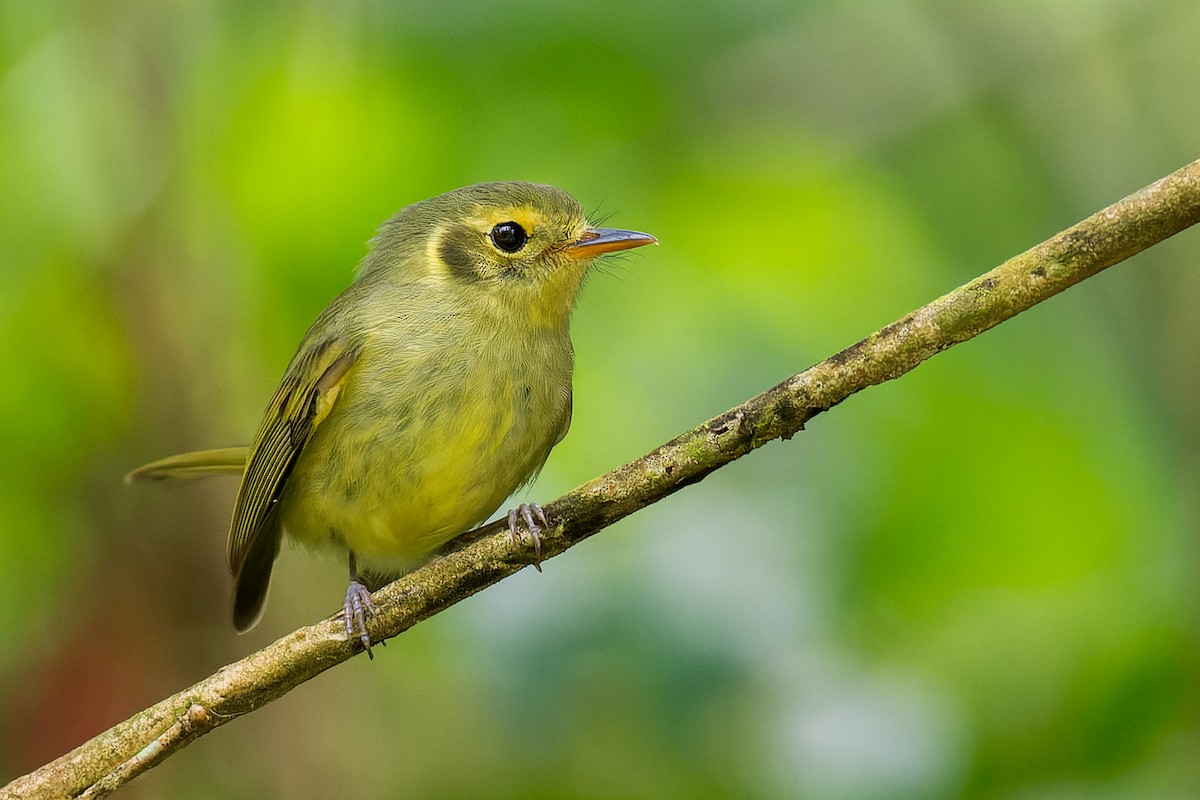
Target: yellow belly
[(416, 452)]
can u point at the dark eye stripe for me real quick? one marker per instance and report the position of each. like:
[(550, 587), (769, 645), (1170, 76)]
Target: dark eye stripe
[(455, 255)]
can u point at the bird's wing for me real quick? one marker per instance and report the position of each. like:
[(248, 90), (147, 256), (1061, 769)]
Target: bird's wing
[(305, 397)]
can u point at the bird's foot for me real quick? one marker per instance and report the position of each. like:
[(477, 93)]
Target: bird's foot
[(356, 610), (527, 512)]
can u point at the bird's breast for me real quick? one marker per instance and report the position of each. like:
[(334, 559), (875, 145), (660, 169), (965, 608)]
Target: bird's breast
[(427, 439)]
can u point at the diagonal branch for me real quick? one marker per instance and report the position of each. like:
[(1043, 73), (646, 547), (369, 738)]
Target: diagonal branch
[(483, 557)]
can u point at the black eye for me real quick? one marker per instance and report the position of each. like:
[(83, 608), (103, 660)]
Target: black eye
[(509, 237)]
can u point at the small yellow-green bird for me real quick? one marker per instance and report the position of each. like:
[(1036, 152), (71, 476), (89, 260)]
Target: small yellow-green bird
[(423, 396)]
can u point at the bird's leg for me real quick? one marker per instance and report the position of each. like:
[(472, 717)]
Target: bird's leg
[(357, 608), (527, 512)]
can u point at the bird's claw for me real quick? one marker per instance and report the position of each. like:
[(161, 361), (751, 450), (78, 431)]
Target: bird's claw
[(356, 610), (527, 512)]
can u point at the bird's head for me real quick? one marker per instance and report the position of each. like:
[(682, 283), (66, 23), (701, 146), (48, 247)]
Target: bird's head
[(517, 244)]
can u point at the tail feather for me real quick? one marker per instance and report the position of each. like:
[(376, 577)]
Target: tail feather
[(186, 466), (252, 581)]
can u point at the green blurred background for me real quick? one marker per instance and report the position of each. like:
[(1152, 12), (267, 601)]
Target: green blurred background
[(979, 581)]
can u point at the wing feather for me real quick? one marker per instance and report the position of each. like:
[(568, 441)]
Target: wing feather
[(311, 382)]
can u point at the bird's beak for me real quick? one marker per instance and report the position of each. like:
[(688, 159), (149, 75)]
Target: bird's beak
[(595, 241)]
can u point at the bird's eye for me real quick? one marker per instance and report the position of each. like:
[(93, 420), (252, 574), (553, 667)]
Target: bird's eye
[(509, 237)]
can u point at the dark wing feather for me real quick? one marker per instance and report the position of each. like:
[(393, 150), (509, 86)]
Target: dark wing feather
[(295, 410)]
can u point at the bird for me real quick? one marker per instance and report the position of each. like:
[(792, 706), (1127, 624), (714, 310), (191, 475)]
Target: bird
[(425, 394)]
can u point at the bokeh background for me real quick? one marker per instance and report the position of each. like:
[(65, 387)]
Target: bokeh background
[(980, 581)]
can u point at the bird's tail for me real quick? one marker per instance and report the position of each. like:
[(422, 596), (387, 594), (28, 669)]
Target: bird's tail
[(186, 466)]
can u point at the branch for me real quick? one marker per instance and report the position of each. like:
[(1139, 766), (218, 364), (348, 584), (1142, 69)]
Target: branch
[(486, 555)]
